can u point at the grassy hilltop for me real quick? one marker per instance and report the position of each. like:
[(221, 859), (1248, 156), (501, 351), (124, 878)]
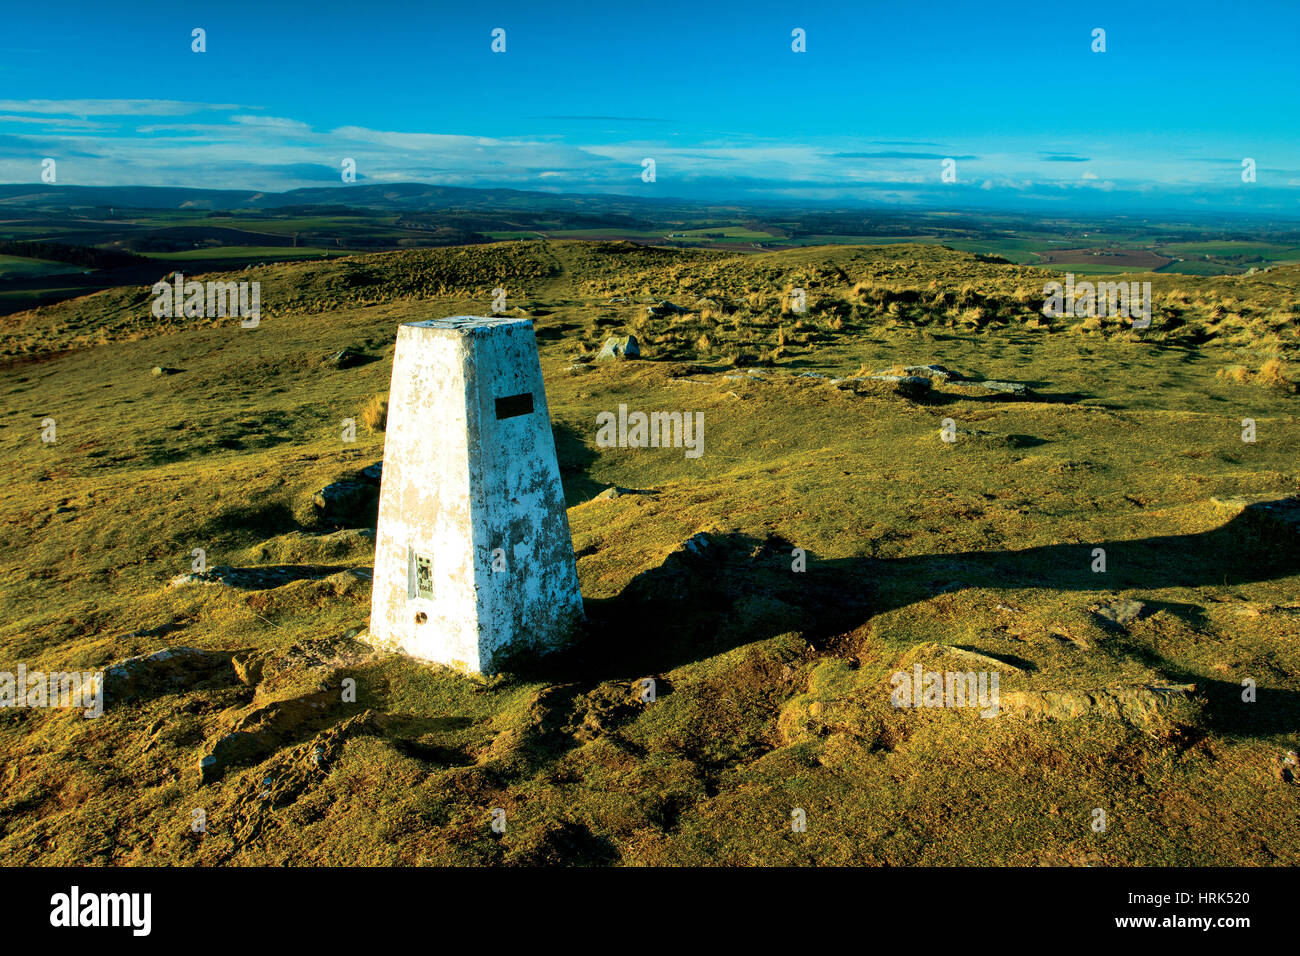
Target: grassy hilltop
[(1120, 690)]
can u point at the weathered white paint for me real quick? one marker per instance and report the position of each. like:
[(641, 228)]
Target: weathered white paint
[(458, 483)]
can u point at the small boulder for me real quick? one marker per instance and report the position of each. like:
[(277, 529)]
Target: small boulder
[(912, 386), (1010, 388), (209, 770), (663, 308), (932, 371), (346, 358), (619, 348), (1119, 614), (698, 544), (344, 502)]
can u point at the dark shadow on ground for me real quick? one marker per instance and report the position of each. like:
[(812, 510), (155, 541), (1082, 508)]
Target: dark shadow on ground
[(575, 457), (267, 520), (739, 589)]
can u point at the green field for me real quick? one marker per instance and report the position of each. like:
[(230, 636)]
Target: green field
[(1194, 268), (1091, 269), (21, 267), (728, 233), (1267, 251), (249, 253)]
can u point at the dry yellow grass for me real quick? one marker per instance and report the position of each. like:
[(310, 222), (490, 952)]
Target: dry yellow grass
[(375, 414), (1273, 372)]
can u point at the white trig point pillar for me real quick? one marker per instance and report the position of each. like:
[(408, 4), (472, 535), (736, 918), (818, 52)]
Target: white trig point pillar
[(473, 559)]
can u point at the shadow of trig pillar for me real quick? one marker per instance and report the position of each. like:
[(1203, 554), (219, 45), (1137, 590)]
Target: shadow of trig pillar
[(474, 563)]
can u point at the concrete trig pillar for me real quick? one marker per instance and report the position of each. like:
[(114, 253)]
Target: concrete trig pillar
[(473, 558)]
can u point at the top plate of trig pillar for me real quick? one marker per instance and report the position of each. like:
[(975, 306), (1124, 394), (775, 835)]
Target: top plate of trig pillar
[(458, 323)]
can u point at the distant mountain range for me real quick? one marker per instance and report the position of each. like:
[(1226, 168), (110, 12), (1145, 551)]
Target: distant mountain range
[(403, 197), (422, 197)]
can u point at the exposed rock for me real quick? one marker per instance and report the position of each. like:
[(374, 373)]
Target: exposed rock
[(619, 348), (987, 661), (259, 579), (347, 358), (1142, 705), (698, 544), (909, 385), (663, 308), (1011, 388), (347, 502), (608, 494), (209, 770), (1119, 614), (694, 548), (163, 370), (248, 667), (168, 670), (931, 655), (373, 473), (1290, 766), (932, 371), (935, 372)]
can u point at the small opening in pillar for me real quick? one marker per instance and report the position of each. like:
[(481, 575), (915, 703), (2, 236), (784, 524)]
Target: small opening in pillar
[(420, 617), (515, 405)]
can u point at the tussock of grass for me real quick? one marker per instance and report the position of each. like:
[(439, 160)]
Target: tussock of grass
[(375, 414)]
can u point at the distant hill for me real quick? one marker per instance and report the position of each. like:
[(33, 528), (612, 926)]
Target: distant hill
[(396, 197)]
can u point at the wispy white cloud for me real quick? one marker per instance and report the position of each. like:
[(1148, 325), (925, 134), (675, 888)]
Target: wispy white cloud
[(56, 122), (87, 107), (274, 122), (174, 142)]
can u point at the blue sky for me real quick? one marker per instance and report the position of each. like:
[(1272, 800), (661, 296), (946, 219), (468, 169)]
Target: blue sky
[(710, 90)]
